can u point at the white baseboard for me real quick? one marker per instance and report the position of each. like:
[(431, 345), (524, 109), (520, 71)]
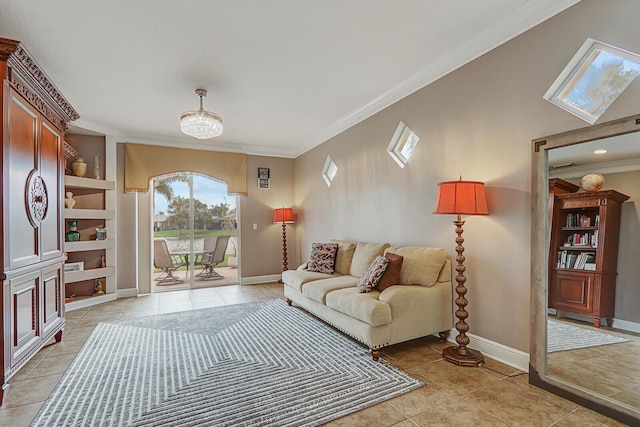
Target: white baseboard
[(127, 293), (626, 325), (260, 279), (88, 302), (623, 325), (507, 355)]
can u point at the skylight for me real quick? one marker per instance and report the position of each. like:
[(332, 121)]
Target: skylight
[(402, 144), (594, 78), (329, 171)]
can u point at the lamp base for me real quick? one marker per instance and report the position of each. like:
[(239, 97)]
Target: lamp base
[(463, 356)]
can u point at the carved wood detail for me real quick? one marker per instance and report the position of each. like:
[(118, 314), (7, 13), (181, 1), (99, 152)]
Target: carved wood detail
[(31, 82), (7, 47), (538, 144)]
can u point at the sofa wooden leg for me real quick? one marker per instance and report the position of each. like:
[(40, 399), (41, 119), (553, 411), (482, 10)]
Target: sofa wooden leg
[(444, 335), (289, 302), (375, 353)]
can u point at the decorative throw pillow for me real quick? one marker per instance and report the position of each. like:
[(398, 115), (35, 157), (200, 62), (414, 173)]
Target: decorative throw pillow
[(322, 257), (392, 273), (372, 274)]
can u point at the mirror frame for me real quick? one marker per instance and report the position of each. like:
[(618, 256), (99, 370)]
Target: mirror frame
[(540, 240)]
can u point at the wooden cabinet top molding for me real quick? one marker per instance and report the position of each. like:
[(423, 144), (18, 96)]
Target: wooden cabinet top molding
[(594, 196), (25, 76)]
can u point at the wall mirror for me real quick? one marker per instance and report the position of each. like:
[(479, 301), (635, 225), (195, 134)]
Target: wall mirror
[(605, 377)]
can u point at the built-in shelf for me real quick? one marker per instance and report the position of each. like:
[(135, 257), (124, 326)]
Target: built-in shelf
[(89, 245), (94, 207), (71, 181), (93, 273), (89, 213)]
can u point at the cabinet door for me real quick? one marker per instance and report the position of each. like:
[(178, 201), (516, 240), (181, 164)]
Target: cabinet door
[(51, 171), (51, 301), (25, 328), (20, 171), (573, 291)]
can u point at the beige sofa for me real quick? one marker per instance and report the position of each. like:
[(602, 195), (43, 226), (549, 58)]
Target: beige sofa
[(419, 305)]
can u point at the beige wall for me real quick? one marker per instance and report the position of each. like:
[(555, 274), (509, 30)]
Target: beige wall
[(476, 122), (261, 249), (126, 240), (628, 281)]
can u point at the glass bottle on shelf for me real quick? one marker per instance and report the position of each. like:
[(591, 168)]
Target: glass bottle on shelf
[(73, 235)]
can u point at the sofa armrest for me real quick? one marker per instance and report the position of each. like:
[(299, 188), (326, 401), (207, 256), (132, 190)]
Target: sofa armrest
[(302, 267)]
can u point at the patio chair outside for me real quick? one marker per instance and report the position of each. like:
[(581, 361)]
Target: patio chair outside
[(162, 259), (214, 251)]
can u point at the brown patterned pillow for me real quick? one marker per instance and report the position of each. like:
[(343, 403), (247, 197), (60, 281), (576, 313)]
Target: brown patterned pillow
[(373, 274), (392, 273), (322, 257)]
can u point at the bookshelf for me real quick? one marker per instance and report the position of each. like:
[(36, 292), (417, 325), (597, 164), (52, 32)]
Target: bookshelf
[(584, 253), (93, 259)]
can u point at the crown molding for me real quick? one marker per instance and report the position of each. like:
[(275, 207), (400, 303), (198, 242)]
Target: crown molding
[(528, 16), (83, 126), (620, 166)]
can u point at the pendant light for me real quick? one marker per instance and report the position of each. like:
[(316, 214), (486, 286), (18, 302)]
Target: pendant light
[(200, 123)]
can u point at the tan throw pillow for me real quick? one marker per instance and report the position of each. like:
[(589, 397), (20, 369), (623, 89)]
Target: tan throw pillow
[(344, 255), (392, 273), (373, 274), (421, 266), (364, 255), (322, 257)]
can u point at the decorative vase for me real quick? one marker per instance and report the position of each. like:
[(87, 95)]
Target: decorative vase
[(79, 167), (73, 235), (69, 201)]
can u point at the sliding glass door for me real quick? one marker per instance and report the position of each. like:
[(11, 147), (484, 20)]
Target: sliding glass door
[(194, 232)]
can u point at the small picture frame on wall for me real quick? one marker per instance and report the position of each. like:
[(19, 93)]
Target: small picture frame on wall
[(264, 178)]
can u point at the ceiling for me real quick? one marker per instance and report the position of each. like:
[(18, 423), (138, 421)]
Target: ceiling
[(284, 75)]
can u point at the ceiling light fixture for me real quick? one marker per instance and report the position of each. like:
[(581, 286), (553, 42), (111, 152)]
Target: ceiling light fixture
[(201, 124), (601, 151)]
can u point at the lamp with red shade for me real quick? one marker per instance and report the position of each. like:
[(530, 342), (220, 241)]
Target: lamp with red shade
[(461, 198), (284, 216)]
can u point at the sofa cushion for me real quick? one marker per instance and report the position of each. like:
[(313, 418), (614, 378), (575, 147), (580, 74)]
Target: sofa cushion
[(344, 255), (364, 255), (296, 278), (373, 274), (364, 307), (322, 257), (392, 273), (317, 290), (420, 266)]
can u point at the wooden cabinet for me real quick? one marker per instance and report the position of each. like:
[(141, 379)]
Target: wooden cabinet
[(584, 253), (34, 117)]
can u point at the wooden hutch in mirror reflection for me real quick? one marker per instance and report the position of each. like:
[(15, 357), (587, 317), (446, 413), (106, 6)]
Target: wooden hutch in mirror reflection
[(583, 255)]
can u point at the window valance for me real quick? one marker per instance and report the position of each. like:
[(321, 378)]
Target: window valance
[(143, 162)]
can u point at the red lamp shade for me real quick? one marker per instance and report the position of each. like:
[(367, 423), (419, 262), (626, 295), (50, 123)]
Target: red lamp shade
[(283, 215), (461, 198)]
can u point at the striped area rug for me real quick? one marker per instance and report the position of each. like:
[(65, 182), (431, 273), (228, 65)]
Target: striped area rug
[(255, 364), (562, 336)]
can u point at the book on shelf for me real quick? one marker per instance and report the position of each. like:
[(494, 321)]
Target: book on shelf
[(565, 259)]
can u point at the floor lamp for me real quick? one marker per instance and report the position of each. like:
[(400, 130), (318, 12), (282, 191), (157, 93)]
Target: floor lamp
[(461, 198), (284, 216)]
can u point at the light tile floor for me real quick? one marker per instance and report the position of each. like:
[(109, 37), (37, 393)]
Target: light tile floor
[(493, 395)]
